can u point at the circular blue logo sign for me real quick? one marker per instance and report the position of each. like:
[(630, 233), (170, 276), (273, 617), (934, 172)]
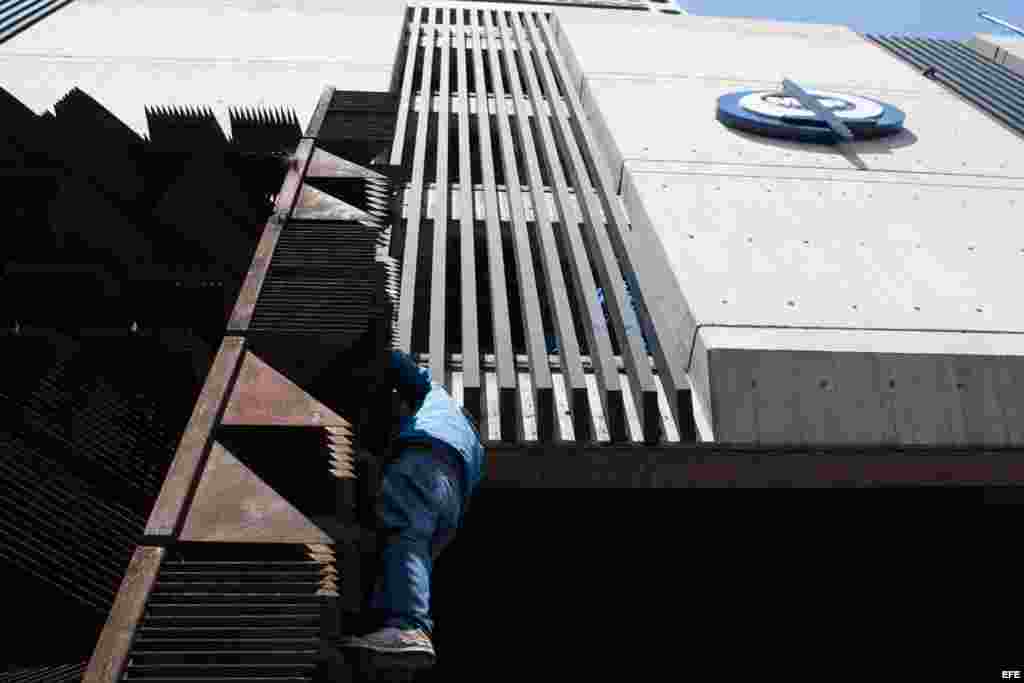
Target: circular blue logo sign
[(779, 115)]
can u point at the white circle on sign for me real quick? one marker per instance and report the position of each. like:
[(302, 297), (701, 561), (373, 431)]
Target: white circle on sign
[(780, 105)]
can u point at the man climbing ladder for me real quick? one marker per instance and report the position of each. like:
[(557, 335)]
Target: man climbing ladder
[(423, 498)]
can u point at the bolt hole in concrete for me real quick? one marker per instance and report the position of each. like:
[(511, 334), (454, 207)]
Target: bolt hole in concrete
[(855, 307), (892, 384), (917, 308), (791, 303), (825, 383)]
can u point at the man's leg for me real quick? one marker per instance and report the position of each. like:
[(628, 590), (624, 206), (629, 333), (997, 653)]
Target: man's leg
[(418, 511)]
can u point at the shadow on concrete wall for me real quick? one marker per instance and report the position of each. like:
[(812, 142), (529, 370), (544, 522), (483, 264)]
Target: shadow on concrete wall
[(852, 151)]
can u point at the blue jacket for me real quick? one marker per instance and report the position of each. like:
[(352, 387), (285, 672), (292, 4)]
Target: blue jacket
[(436, 416)]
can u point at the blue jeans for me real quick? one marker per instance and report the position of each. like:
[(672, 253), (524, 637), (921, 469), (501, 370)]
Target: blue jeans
[(418, 511)]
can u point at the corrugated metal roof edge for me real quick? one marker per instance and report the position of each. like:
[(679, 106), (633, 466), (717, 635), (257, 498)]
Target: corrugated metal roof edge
[(18, 15)]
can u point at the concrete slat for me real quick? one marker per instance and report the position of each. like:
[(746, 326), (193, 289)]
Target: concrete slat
[(509, 407), (542, 390), (471, 378), (633, 352), (586, 289)]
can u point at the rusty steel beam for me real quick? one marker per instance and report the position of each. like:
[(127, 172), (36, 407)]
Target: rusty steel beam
[(250, 292), (284, 203), (111, 654), (183, 476), (316, 122)]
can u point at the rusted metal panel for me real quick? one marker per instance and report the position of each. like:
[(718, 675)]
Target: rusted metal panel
[(183, 476), (263, 396), (233, 505), (316, 205), (111, 654), (289, 193), (323, 164), (241, 316), (726, 465)]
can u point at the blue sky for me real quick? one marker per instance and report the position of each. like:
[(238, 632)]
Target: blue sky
[(935, 18)]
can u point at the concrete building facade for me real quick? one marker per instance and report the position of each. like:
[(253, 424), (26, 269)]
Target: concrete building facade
[(855, 293), (627, 292)]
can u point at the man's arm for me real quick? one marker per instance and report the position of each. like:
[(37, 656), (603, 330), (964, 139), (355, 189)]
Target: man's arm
[(411, 381)]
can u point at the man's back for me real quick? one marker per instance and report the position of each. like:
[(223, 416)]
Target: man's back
[(436, 416)]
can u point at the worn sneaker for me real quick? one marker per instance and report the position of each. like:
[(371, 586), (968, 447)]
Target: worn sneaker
[(394, 641)]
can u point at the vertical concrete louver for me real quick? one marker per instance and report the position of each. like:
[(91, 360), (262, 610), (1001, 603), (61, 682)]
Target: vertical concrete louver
[(510, 192)]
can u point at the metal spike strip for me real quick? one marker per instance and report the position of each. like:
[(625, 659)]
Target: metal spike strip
[(240, 610), (342, 454), (392, 285), (320, 279), (264, 129), (324, 556), (184, 128)]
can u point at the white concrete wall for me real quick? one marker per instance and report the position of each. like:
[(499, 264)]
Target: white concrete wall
[(915, 233), (131, 54)]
